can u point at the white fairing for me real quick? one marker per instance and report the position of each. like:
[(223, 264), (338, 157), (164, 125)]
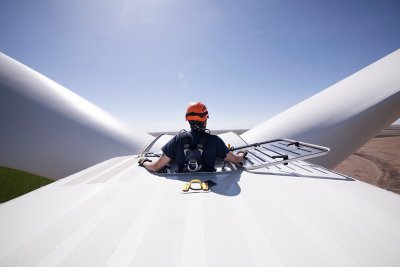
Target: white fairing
[(344, 116), (118, 214), (48, 130)]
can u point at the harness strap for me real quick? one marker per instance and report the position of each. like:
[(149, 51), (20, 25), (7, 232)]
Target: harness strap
[(193, 156), (186, 141), (203, 141)]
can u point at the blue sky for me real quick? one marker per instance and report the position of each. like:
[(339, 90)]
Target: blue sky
[(144, 61)]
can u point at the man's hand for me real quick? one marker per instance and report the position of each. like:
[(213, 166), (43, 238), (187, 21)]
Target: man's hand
[(143, 160), (155, 166), (244, 152), (235, 159)]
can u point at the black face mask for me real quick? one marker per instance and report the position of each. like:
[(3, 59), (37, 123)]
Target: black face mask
[(197, 125)]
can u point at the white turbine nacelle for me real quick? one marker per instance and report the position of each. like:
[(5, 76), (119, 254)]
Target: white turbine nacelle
[(344, 116), (48, 130), (288, 215)]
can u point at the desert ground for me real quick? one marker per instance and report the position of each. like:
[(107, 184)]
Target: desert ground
[(377, 162)]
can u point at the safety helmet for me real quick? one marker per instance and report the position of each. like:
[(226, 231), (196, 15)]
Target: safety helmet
[(197, 112)]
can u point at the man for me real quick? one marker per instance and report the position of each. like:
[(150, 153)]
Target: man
[(196, 150)]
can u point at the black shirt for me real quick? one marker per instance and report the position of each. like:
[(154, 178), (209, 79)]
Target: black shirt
[(215, 148)]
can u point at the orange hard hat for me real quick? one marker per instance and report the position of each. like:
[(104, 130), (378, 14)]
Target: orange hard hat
[(197, 112)]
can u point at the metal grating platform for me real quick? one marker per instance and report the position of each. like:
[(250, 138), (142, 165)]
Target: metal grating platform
[(279, 151)]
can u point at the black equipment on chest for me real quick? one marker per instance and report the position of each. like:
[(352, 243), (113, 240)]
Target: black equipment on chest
[(193, 155)]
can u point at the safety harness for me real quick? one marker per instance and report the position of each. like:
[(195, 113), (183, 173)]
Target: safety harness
[(193, 155)]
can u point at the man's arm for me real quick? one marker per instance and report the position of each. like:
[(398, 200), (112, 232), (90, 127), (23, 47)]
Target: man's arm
[(158, 164), (235, 159)]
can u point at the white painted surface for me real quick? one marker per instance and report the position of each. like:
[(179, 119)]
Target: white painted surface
[(344, 116), (295, 215), (50, 131), (118, 214)]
